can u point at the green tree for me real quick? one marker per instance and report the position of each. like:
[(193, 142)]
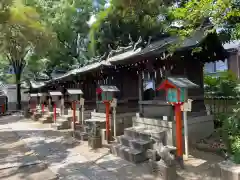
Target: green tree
[(224, 16), (22, 32), (136, 17), (68, 18), (224, 84)]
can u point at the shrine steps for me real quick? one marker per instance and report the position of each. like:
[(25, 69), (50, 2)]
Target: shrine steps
[(36, 116), (133, 145), (47, 117), (61, 123)]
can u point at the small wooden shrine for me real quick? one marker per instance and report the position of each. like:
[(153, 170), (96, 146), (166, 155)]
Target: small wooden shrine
[(131, 69)]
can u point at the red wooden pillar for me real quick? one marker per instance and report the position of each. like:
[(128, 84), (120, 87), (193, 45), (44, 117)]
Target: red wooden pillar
[(3, 108), (107, 104), (43, 107), (178, 117)]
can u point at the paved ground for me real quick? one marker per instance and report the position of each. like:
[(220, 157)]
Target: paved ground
[(32, 151)]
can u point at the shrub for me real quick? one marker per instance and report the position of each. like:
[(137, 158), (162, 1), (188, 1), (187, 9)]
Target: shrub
[(222, 84), (230, 132)]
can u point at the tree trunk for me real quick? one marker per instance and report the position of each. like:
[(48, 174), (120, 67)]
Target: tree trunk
[(18, 86)]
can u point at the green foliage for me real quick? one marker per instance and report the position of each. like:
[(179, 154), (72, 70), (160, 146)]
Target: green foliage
[(68, 18), (22, 32), (223, 14), (230, 132), (124, 17), (225, 84)]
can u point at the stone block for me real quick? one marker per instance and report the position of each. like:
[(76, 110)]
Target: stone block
[(61, 124), (69, 117), (162, 171), (229, 170), (133, 143), (127, 153), (36, 116), (81, 135), (45, 120)]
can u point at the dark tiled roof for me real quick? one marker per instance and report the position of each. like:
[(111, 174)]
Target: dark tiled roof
[(55, 93), (74, 91), (109, 88), (182, 82)]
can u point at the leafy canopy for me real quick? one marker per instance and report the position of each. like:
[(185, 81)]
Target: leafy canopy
[(136, 17), (21, 33), (68, 18), (223, 14)]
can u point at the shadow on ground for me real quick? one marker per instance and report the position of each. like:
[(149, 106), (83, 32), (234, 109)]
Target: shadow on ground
[(24, 154), (55, 153)]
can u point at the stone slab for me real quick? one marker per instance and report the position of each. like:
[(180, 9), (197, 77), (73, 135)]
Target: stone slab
[(17, 160), (94, 172), (112, 163), (229, 170), (32, 172)]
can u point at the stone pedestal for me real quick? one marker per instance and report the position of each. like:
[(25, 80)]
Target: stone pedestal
[(95, 142), (163, 171), (229, 170)]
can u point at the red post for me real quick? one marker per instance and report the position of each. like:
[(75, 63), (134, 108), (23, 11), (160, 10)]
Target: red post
[(55, 112), (74, 115), (3, 109), (107, 103), (43, 107), (179, 130)]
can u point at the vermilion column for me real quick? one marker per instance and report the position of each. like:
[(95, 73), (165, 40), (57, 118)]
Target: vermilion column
[(179, 130)]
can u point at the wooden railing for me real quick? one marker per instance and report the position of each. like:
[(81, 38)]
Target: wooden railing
[(220, 104)]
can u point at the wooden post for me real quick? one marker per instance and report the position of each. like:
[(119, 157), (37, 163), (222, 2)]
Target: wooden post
[(140, 91), (185, 127), (55, 112), (43, 107), (178, 117), (114, 122), (74, 115), (107, 104), (3, 108), (82, 114)]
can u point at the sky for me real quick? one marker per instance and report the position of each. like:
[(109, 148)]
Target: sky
[(93, 17)]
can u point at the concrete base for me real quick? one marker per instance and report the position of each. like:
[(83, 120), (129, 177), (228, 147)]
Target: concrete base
[(198, 127), (123, 120), (163, 171), (229, 170)]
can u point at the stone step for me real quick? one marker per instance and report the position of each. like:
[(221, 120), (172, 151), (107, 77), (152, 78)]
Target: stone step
[(81, 135), (59, 126), (61, 123), (45, 120), (138, 144), (69, 117), (52, 114), (36, 116), (143, 133), (99, 115), (129, 154)]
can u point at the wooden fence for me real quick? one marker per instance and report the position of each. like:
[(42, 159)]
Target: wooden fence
[(216, 105)]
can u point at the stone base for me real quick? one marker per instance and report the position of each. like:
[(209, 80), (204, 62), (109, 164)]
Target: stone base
[(198, 127), (95, 142), (162, 171), (229, 170)]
